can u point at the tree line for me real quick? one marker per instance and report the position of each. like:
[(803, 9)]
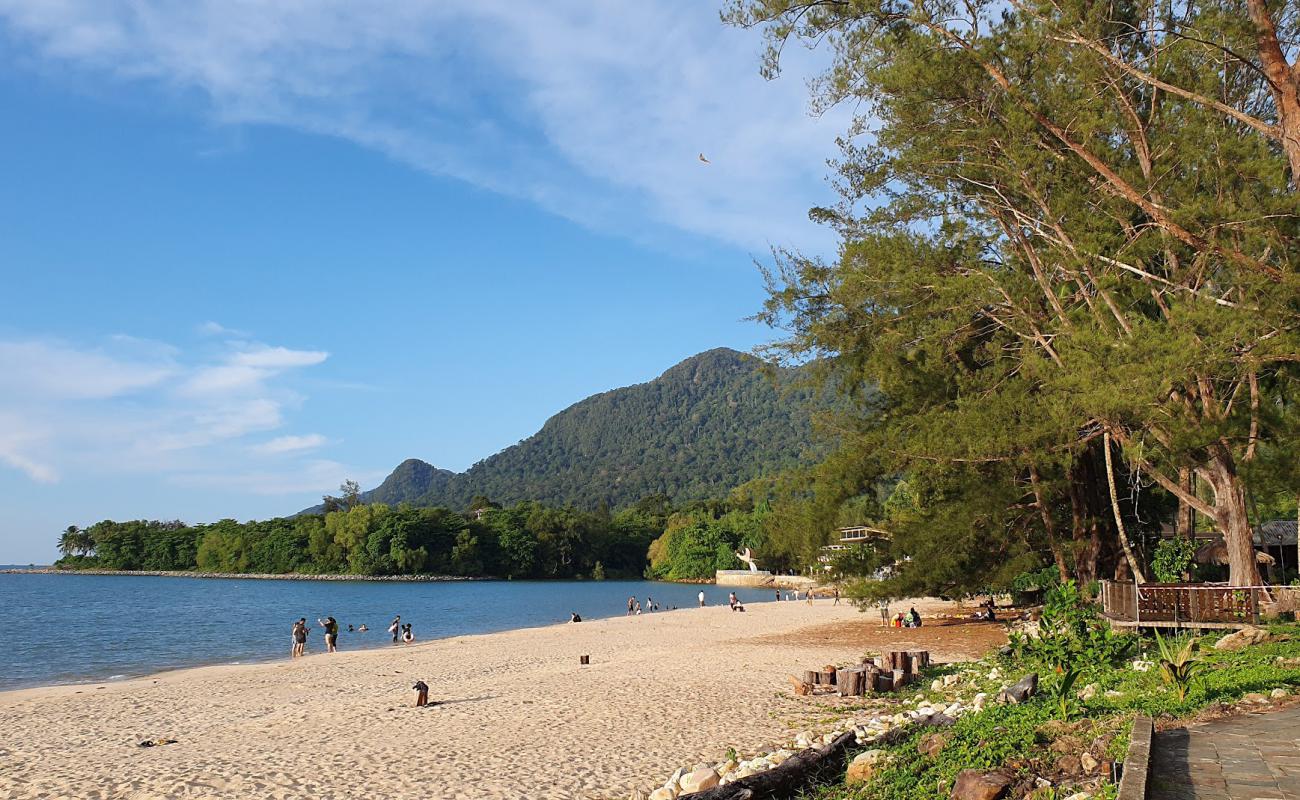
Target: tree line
[(527, 540)]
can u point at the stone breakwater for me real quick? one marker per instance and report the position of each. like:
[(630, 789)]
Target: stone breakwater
[(256, 576)]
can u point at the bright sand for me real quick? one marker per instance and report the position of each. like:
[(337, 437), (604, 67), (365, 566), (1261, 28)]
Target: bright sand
[(521, 718)]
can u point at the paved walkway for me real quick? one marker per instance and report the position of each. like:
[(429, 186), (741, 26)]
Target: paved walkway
[(1240, 758)]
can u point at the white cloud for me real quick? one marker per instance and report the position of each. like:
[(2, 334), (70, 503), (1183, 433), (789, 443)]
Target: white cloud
[(211, 328), (59, 371), (147, 407), (595, 111), (290, 444)]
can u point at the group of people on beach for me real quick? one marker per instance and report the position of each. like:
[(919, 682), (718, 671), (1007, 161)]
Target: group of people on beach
[(912, 619), (301, 629), (298, 636), (807, 595), (634, 606)]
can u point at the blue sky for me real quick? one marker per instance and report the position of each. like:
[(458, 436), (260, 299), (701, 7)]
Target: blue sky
[(251, 249)]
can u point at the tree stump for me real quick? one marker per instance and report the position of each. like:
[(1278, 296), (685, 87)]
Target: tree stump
[(828, 677), (584, 659), (884, 681), (812, 677), (901, 678)]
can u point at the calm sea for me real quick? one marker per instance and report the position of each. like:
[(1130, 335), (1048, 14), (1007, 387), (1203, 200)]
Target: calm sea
[(74, 628)]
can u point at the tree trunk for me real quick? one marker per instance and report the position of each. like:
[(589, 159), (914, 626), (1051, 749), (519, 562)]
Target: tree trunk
[(1232, 518), (1185, 522), (1119, 521), (1049, 525), (1284, 83)]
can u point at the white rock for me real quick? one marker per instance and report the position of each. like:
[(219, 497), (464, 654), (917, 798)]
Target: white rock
[(663, 793), (727, 767), (937, 685), (954, 710), (951, 680), (1113, 693), (1079, 796), (699, 780), (1278, 693), (1089, 692), (994, 674), (1142, 666), (1087, 762)]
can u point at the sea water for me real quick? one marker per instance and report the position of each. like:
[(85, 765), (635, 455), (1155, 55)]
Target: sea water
[(80, 628)]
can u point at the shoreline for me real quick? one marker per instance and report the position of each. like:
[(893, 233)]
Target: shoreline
[(255, 576), (775, 582), (519, 715)]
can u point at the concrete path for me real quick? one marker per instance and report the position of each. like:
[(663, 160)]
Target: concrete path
[(1241, 758)]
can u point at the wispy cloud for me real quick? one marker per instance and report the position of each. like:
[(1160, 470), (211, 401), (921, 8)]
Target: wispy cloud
[(143, 406), (289, 444), (595, 111)]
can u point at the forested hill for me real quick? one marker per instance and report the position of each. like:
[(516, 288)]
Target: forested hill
[(706, 425)]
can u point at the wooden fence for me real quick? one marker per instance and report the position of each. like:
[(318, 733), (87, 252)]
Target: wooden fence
[(1181, 603)]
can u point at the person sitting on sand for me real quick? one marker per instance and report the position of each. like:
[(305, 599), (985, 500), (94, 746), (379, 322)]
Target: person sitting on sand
[(638, 608), (913, 619), (407, 636), (573, 617), (732, 601), (898, 620)]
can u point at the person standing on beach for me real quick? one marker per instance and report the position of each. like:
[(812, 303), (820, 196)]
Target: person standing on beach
[(701, 598), (396, 628), (300, 637), (837, 595), (649, 603), (331, 634), (778, 595)]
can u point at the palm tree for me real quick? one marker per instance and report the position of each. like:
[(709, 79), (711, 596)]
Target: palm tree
[(70, 541)]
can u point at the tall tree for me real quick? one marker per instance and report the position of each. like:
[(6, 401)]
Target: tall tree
[(1062, 222)]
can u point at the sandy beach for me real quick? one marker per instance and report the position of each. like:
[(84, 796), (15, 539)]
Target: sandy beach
[(519, 718)]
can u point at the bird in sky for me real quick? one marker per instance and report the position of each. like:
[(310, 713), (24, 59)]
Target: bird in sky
[(705, 160)]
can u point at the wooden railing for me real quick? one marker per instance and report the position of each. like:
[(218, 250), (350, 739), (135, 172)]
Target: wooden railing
[(1181, 602)]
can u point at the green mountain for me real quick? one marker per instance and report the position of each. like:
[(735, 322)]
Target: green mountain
[(707, 425)]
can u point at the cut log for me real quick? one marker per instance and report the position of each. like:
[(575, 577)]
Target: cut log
[(786, 778), (584, 659), (827, 678), (884, 682), (849, 681), (812, 677)]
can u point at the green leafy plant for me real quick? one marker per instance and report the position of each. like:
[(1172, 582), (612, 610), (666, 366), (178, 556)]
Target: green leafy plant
[(1061, 695), (1072, 635), (1172, 559), (1178, 662)]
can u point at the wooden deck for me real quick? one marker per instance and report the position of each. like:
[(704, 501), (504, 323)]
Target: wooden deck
[(1181, 605)]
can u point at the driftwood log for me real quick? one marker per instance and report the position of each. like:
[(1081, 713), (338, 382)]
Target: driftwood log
[(785, 778)]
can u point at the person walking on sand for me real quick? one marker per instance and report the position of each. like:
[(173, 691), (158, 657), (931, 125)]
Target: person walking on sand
[(396, 628), (331, 633), (837, 596), (701, 598)]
